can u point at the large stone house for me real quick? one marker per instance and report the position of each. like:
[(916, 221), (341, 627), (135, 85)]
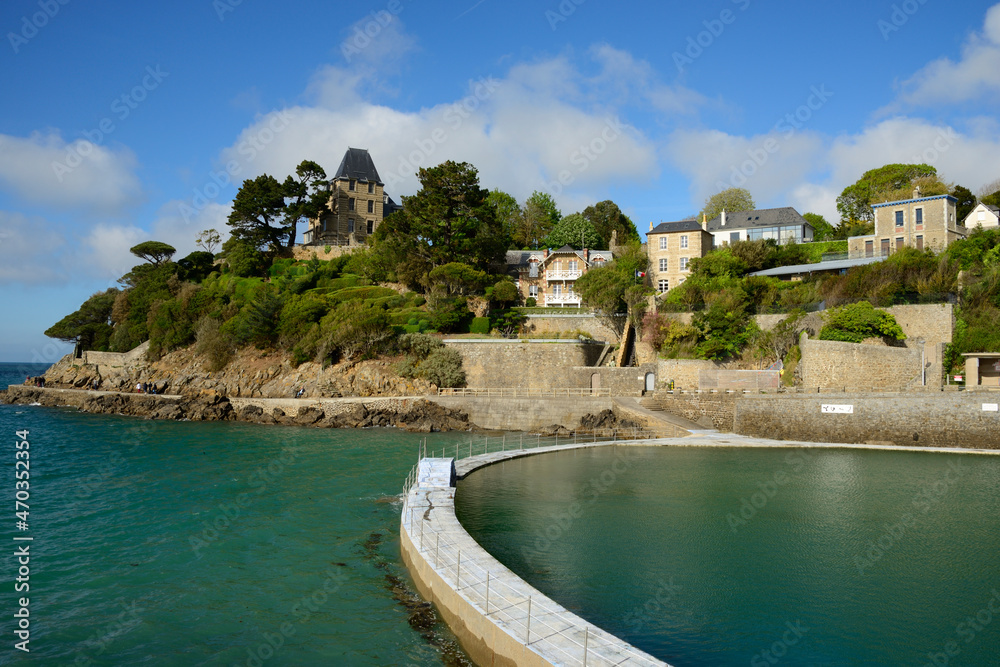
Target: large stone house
[(783, 225), (549, 276), (920, 222), (671, 246), (984, 215), (358, 203)]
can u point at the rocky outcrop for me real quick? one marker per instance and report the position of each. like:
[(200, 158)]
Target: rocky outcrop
[(252, 373), (420, 416), (606, 420)]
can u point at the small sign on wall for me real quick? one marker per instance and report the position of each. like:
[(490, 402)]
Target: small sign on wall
[(991, 407), (837, 409)]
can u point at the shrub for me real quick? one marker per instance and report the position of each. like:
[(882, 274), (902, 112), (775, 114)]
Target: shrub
[(213, 344), (855, 322), (530, 302), (443, 367), (480, 325)]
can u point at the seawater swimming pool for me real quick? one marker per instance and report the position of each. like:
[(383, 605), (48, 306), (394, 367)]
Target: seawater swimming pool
[(725, 556)]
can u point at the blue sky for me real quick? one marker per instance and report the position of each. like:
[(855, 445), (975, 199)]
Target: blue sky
[(128, 122)]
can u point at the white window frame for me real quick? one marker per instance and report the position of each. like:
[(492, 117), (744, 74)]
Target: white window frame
[(684, 241), (663, 286), (663, 243), (684, 264), (533, 291), (664, 264)]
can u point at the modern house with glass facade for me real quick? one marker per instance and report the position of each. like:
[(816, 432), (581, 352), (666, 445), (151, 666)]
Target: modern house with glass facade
[(784, 225)]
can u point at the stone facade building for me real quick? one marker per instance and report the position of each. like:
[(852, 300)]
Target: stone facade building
[(358, 204), (671, 246), (920, 222), (549, 276)]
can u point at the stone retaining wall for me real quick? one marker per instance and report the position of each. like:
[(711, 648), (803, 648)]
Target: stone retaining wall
[(517, 364), (561, 324), (933, 419), (833, 364), (708, 409)]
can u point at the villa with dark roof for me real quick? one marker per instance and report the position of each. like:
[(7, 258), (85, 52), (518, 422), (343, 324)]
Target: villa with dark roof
[(549, 276), (671, 246), (783, 225), (358, 203)]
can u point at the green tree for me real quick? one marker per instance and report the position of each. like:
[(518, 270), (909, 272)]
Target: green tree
[(539, 215), (196, 266), (456, 278), (90, 325), (607, 218), (508, 211), (154, 252), (305, 196), (209, 240), (966, 202), (729, 200), (258, 215), (575, 231), (448, 220), (822, 230), (877, 185), (855, 322), (616, 291), (989, 194)]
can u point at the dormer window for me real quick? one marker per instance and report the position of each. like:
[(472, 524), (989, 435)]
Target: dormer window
[(371, 187), (352, 185)]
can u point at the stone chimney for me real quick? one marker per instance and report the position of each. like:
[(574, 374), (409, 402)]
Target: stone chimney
[(704, 221), (545, 253), (586, 255), (916, 192), (650, 225), (723, 217)]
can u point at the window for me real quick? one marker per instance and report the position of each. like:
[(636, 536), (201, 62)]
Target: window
[(981, 215), (557, 290), (663, 243), (533, 269), (371, 205), (684, 241), (684, 263), (371, 226), (598, 262), (869, 248), (899, 243), (350, 204), (663, 286), (533, 291), (920, 241), (899, 218), (885, 247), (371, 188), (734, 237), (572, 265), (351, 184), (919, 216), (350, 225), (663, 265)]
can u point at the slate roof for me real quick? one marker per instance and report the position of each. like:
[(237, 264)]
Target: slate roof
[(682, 226), (765, 217), (358, 164), (817, 267), (520, 258), (913, 201)]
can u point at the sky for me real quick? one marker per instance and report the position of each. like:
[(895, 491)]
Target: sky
[(125, 122)]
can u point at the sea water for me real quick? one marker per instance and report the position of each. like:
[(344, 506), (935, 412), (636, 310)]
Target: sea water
[(720, 556), (180, 543)]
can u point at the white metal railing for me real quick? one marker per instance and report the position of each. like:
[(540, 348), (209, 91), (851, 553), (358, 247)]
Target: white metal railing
[(556, 274), (511, 392), (570, 299), (518, 609)]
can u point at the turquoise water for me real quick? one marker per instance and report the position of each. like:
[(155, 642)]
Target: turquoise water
[(177, 543), (707, 556)]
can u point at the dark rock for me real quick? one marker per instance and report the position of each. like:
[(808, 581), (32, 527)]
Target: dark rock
[(308, 416)]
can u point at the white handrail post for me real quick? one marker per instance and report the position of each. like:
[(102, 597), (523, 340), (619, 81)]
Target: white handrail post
[(421, 535), (527, 631), (504, 447), (521, 445), (487, 592), (586, 636), (458, 570)]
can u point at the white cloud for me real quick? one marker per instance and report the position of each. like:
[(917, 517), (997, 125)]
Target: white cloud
[(976, 75), (30, 251), (538, 125), (46, 170), (105, 255)]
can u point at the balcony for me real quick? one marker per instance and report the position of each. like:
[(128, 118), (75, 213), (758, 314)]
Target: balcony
[(563, 300), (562, 275)]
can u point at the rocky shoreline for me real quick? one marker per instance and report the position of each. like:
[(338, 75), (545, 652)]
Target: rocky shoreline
[(416, 415)]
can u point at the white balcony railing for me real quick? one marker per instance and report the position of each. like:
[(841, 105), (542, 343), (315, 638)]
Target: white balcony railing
[(554, 274), (563, 300)]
